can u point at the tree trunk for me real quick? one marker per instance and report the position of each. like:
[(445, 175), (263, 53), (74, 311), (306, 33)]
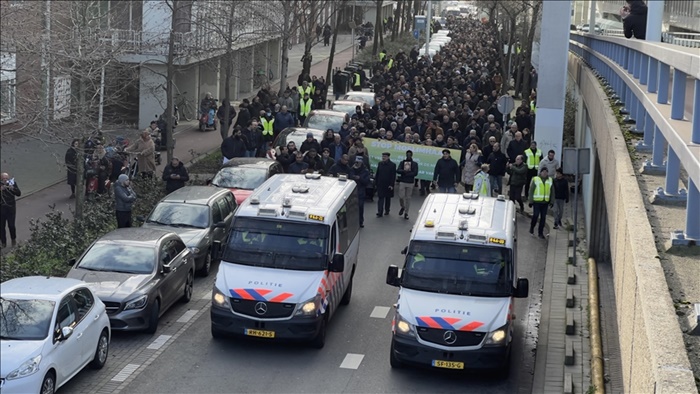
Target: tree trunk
[(377, 28), (329, 72), (397, 19), (408, 16), (79, 182), (529, 43), (285, 49), (229, 73), (169, 83)]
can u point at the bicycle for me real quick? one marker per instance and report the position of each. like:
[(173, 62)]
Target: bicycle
[(184, 107)]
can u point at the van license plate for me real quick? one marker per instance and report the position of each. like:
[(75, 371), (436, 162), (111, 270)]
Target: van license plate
[(259, 333), (448, 364)]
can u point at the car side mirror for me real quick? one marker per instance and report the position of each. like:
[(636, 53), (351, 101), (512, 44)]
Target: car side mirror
[(66, 332), (221, 224), (523, 288), (392, 276), (140, 218), (404, 250), (338, 263), (167, 268), (71, 262)]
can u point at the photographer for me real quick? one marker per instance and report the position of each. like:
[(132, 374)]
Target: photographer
[(8, 208)]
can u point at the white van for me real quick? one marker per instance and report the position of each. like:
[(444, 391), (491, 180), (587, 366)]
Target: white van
[(458, 285), (289, 259)]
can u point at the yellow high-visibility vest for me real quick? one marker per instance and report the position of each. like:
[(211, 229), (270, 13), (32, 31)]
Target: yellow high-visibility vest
[(267, 125), (542, 189), (357, 79), (391, 64), (305, 107), (484, 184), (533, 107), (302, 91), (382, 55), (533, 160)]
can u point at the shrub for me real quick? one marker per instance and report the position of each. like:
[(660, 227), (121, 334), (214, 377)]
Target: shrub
[(209, 164), (56, 238)]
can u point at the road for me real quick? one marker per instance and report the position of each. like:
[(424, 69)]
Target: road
[(191, 361)]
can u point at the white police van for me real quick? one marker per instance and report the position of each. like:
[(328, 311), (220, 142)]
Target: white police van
[(458, 285), (289, 259)]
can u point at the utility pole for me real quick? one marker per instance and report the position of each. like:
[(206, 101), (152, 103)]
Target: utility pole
[(352, 28), (46, 62), (428, 21)]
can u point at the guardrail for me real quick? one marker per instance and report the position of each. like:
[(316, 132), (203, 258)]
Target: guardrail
[(640, 72)]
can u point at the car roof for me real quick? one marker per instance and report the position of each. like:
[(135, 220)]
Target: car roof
[(39, 287), (360, 94), (250, 162), (302, 130), (136, 235), (197, 195), (328, 112), (347, 102)]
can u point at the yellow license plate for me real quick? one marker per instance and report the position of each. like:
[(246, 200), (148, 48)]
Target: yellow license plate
[(260, 333), (448, 364)]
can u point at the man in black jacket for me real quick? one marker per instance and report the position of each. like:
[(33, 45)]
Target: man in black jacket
[(385, 177), (235, 145), (634, 19), (497, 168), (8, 208), (446, 173), (561, 197), (408, 171), (360, 174), (175, 175)]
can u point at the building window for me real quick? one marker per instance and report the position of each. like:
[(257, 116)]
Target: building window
[(8, 100)]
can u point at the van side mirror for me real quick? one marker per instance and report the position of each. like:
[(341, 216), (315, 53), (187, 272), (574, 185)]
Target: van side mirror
[(71, 262), (392, 276), (404, 250), (338, 263), (523, 288)]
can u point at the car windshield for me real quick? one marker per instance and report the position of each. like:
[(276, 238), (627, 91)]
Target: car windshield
[(347, 108), (458, 269), (297, 137), (118, 257), (359, 98), (180, 215), (240, 177), (324, 122), (25, 320), (278, 244)]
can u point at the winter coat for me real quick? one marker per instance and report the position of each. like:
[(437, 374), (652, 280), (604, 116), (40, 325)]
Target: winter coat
[(71, 160), (173, 184), (234, 146), (243, 117), (497, 163), (472, 163), (8, 194), (340, 168), (384, 178), (124, 197), (254, 137), (145, 151), (635, 24), (561, 189), (361, 177), (282, 121), (297, 167), (516, 148), (518, 175), (446, 172), (327, 165), (306, 145), (407, 176), (314, 164)]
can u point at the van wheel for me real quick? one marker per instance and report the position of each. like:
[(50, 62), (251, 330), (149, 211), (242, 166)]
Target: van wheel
[(153, 320), (320, 339), (393, 361), (348, 294), (206, 267), (101, 352)]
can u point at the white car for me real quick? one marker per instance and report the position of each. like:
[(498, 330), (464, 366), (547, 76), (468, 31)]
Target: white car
[(50, 329)]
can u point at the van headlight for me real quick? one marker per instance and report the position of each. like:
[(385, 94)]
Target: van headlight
[(27, 368), (497, 337), (403, 328), (310, 307), (219, 299), (138, 303)]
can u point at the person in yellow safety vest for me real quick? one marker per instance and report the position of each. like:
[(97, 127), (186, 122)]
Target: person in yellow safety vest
[(305, 89), (356, 82), (533, 106), (533, 156), (304, 108), (268, 122), (382, 55), (418, 262), (541, 197), (482, 184), (390, 63)]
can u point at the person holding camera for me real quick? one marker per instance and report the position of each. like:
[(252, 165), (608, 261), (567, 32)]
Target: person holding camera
[(9, 191), (124, 197)]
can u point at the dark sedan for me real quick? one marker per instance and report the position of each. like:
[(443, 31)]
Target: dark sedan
[(242, 175), (138, 273)]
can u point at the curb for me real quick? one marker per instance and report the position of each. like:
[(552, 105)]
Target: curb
[(597, 372)]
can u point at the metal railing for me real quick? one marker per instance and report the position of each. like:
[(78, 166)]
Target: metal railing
[(641, 74)]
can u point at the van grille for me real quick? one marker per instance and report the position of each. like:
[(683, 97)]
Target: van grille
[(274, 309), (437, 335)]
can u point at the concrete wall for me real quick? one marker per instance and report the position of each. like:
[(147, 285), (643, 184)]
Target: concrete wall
[(654, 358)]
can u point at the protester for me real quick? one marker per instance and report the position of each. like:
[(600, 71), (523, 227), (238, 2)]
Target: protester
[(124, 197), (385, 177), (175, 175), (9, 191)]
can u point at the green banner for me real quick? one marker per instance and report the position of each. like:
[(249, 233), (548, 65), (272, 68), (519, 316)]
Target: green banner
[(425, 156)]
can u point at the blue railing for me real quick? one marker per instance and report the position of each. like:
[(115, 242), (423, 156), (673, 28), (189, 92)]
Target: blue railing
[(640, 73)]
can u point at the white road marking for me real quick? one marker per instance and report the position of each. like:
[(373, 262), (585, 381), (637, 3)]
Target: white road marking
[(352, 361), (207, 296), (380, 312), (187, 316), (159, 342), (125, 372)]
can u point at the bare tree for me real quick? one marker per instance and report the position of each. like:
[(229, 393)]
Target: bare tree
[(378, 28)]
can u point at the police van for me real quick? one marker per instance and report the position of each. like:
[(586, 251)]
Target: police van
[(289, 259), (457, 286)]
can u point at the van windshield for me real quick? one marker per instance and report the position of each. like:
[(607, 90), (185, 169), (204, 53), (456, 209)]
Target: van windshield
[(458, 269), (278, 244)]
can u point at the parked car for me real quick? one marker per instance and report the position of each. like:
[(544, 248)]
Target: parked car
[(346, 106), (50, 329), (363, 97), (297, 135), (200, 215), (324, 119), (587, 27), (138, 273), (242, 175)]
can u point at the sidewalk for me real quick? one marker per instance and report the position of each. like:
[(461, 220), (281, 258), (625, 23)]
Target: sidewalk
[(40, 172)]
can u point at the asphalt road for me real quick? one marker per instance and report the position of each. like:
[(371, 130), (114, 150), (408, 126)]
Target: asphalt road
[(191, 361)]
